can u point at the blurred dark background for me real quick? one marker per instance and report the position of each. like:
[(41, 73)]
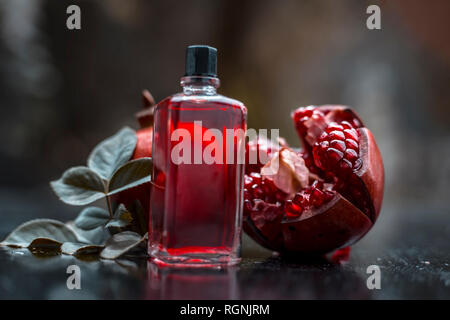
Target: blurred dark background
[(62, 91)]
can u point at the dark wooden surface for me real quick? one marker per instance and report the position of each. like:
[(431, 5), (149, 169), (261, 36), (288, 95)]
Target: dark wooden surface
[(411, 247)]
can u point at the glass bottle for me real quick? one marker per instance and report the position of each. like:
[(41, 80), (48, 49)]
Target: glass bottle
[(198, 168)]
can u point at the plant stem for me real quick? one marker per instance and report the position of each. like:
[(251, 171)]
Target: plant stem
[(108, 202)]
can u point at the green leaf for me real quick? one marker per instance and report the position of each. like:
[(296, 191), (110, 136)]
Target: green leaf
[(130, 175), (97, 236), (48, 232), (79, 186), (113, 152), (76, 248), (44, 244), (122, 218), (121, 243), (131, 185), (91, 218)]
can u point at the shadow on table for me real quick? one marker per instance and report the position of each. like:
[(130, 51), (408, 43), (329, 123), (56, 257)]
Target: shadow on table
[(273, 278), (29, 276)]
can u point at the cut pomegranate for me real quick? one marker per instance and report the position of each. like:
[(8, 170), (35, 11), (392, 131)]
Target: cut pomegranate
[(343, 198)]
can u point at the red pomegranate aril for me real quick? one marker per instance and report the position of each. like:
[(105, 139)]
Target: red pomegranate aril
[(350, 155), (334, 155), (256, 177), (305, 114), (292, 210), (352, 144), (300, 200), (317, 197), (334, 126), (258, 189), (345, 166), (336, 144), (346, 125), (351, 134), (247, 206), (324, 145), (266, 187), (257, 192), (304, 119), (336, 135)]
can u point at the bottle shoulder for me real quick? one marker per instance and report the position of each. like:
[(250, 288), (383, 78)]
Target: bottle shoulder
[(181, 99)]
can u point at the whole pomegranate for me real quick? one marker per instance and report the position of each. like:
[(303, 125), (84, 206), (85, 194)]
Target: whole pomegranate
[(321, 198), (138, 198), (145, 132)]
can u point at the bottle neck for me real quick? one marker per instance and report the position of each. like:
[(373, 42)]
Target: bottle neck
[(196, 85)]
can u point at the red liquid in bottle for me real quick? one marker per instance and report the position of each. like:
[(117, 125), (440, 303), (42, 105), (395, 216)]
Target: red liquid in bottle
[(196, 207)]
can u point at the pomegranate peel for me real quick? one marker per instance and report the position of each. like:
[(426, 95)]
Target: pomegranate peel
[(339, 220), (372, 170)]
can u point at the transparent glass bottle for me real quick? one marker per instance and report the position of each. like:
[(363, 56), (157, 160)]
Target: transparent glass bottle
[(196, 204)]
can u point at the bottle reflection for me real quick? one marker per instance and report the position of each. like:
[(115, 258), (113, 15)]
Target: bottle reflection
[(190, 283)]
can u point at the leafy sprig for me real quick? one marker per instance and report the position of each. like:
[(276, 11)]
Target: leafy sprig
[(96, 230)]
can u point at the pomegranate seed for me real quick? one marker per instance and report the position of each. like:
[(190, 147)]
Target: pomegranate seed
[(247, 195), (318, 156), (317, 197), (337, 144), (266, 187), (304, 114), (350, 155), (351, 134), (334, 126), (256, 177), (345, 166), (299, 199), (248, 206), (325, 144), (261, 190), (339, 135), (257, 192), (334, 155), (346, 125), (312, 196), (292, 210), (352, 144)]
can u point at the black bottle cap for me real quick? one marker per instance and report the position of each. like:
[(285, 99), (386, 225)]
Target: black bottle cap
[(201, 61)]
